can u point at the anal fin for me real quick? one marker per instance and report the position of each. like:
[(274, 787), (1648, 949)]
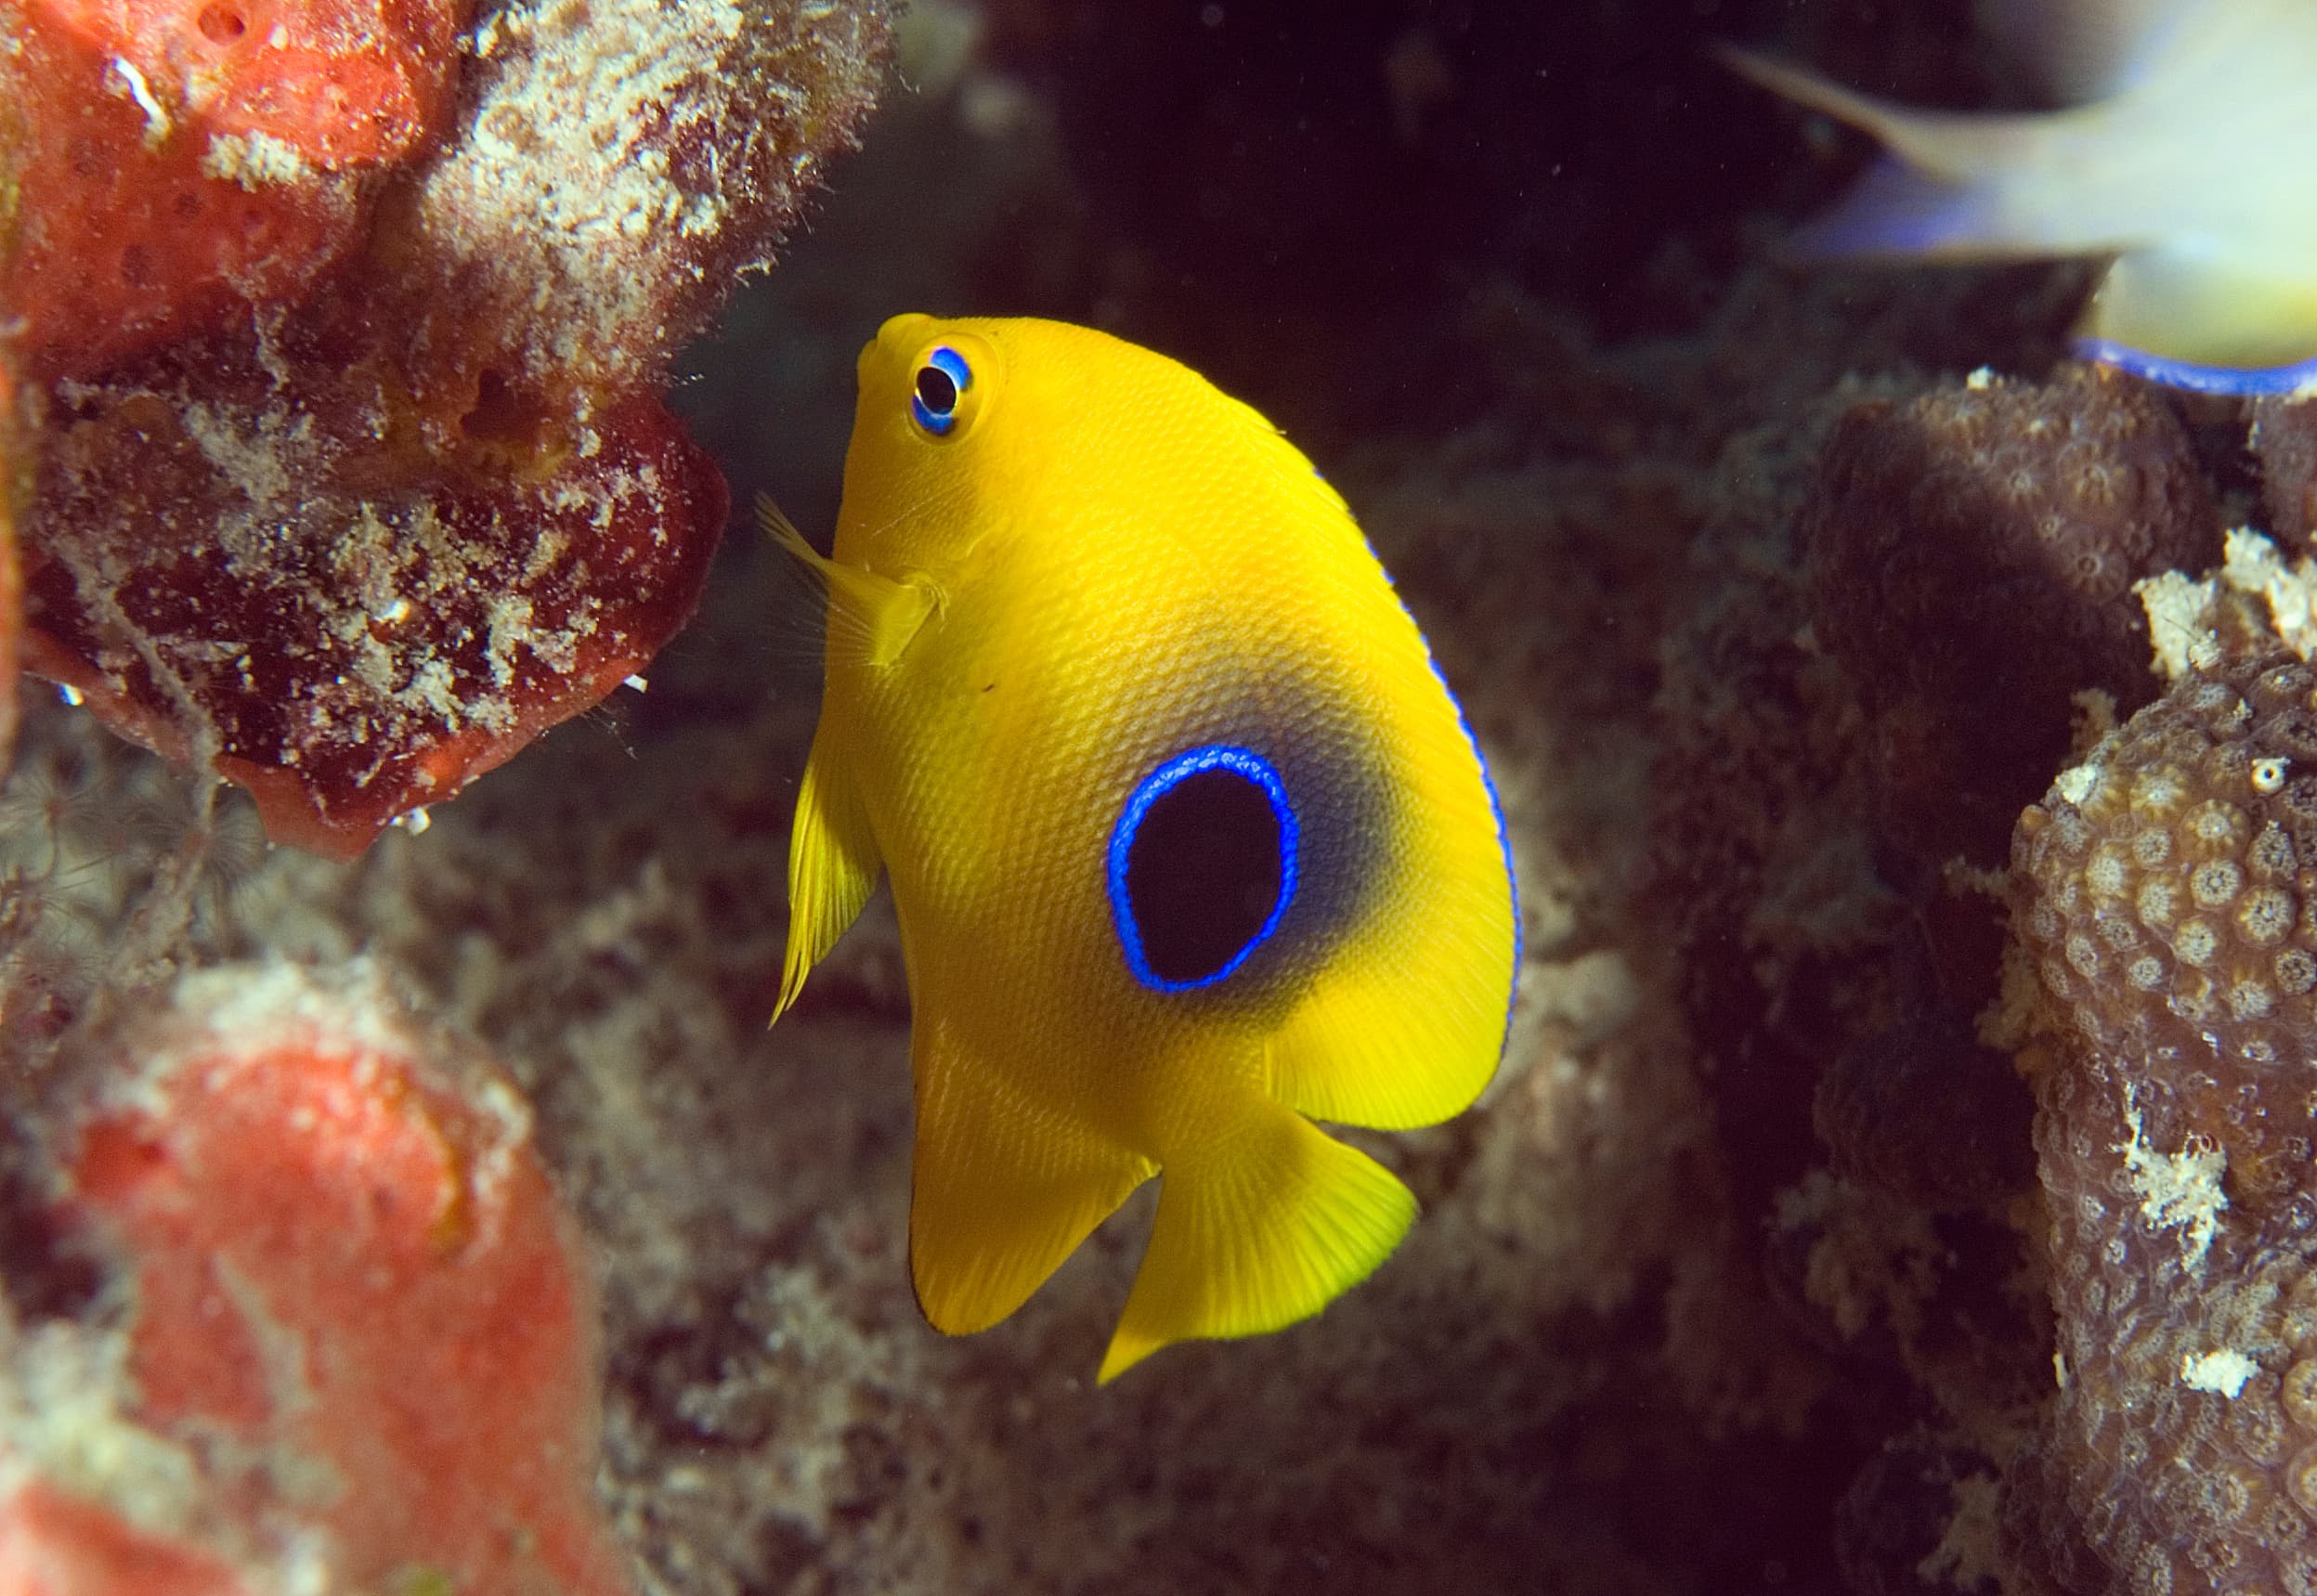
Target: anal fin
[(1264, 1228), (1002, 1188), (832, 865)]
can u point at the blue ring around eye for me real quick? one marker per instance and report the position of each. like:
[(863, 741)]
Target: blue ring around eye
[(1259, 772), (952, 364)]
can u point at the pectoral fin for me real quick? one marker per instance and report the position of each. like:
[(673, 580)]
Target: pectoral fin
[(1264, 1228), (1002, 1190), (875, 614), (832, 865)]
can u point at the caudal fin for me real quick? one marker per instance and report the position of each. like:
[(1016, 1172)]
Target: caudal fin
[(2167, 311), (1943, 191), (1265, 1227)]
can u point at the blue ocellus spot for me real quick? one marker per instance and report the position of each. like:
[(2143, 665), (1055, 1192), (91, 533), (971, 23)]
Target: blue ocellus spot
[(1201, 866)]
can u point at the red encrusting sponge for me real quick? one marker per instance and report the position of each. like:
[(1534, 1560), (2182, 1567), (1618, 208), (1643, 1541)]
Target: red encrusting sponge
[(360, 1338), (352, 324)]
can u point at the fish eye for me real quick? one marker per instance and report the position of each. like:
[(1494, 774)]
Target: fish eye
[(941, 382)]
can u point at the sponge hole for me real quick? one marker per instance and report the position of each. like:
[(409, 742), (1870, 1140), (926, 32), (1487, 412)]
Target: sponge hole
[(222, 23)]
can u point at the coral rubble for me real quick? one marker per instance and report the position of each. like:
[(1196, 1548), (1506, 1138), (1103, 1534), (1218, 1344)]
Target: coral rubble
[(358, 1343), (353, 519), (2163, 892)]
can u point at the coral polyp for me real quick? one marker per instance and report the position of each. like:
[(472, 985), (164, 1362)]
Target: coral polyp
[(371, 481), (2159, 892)]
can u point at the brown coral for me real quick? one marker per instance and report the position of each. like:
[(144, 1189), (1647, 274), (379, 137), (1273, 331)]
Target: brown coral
[(2167, 892), (2284, 439), (1922, 1113), (1972, 557)]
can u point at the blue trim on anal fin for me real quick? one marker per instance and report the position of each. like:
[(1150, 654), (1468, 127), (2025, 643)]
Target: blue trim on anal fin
[(2236, 382)]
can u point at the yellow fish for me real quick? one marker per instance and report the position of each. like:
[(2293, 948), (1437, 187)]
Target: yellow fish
[(1188, 840)]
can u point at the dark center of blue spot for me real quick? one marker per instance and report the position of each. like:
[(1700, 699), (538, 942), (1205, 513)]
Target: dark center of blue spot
[(1201, 866)]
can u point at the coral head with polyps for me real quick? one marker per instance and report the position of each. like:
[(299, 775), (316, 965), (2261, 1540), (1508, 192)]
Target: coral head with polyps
[(2164, 891), (1971, 558)]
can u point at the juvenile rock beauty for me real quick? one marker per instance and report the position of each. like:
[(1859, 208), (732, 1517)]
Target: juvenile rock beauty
[(1189, 843)]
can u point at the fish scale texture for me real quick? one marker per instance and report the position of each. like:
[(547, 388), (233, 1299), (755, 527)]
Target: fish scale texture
[(2167, 892)]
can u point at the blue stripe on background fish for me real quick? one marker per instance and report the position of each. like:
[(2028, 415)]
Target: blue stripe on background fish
[(2188, 157), (1189, 843)]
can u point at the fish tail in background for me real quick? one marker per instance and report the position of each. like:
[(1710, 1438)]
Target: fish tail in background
[(1941, 191), (1256, 1230), (2084, 49)]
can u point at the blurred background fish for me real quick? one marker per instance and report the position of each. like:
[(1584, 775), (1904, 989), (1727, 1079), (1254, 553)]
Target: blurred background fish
[(2184, 150)]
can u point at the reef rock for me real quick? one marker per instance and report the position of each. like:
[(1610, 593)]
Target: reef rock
[(2284, 439), (11, 586), (1972, 557), (2165, 892)]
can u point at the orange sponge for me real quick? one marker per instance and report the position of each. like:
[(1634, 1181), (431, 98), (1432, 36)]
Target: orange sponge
[(358, 1309), (53, 1544), (348, 502), (165, 164)]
